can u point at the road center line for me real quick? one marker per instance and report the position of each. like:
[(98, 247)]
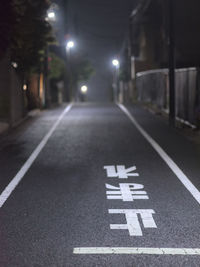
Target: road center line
[(18, 177), (140, 250), (172, 165)]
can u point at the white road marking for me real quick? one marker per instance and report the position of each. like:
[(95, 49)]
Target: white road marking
[(126, 192), (132, 250), (172, 165), (18, 177), (121, 172), (132, 219)]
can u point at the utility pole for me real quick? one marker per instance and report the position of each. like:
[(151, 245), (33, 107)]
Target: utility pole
[(46, 76), (172, 93)]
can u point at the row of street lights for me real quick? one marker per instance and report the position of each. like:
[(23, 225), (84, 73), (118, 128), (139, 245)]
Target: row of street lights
[(51, 17), (70, 45)]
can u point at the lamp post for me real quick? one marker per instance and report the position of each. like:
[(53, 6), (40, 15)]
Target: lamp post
[(115, 63), (84, 90), (52, 13), (51, 18), (69, 46)]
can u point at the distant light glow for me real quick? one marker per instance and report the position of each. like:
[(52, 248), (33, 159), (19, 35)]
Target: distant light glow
[(24, 87), (115, 62), (84, 89), (14, 64), (51, 15), (70, 44)]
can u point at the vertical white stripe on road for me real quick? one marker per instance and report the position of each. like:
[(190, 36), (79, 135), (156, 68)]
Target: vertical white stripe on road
[(172, 165), (18, 177)]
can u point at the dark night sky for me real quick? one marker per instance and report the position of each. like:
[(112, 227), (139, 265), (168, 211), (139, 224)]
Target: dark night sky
[(99, 28)]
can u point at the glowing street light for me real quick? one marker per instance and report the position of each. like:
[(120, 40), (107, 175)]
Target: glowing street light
[(115, 62), (14, 64), (25, 87), (70, 44), (51, 16), (84, 89)]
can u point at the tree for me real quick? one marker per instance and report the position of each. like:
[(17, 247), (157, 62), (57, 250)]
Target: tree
[(84, 70), (7, 20), (30, 35), (56, 67)]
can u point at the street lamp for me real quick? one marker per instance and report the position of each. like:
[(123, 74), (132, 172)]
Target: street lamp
[(83, 93), (51, 18), (116, 65), (70, 44), (84, 89), (51, 15)]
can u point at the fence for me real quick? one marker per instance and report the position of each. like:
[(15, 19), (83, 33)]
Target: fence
[(153, 87)]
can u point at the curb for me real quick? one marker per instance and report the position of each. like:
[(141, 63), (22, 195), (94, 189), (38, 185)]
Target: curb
[(5, 127)]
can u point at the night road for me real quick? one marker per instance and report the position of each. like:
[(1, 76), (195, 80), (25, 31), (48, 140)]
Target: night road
[(98, 185)]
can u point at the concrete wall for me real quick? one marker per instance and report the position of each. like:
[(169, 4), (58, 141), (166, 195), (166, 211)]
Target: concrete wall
[(12, 107), (33, 92), (17, 109), (4, 89)]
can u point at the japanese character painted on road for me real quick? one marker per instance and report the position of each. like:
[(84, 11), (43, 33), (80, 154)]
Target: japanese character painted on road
[(120, 171), (132, 219), (126, 192)]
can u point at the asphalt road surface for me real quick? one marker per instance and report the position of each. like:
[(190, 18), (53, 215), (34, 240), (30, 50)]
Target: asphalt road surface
[(98, 185)]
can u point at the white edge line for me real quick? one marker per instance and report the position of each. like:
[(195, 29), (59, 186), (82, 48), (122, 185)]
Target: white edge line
[(137, 250), (18, 177), (172, 165)]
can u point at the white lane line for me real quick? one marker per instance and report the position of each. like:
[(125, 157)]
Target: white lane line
[(18, 177), (131, 250), (172, 165)]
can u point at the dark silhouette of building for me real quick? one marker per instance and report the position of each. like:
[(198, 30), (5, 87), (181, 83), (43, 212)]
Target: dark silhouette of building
[(149, 34)]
